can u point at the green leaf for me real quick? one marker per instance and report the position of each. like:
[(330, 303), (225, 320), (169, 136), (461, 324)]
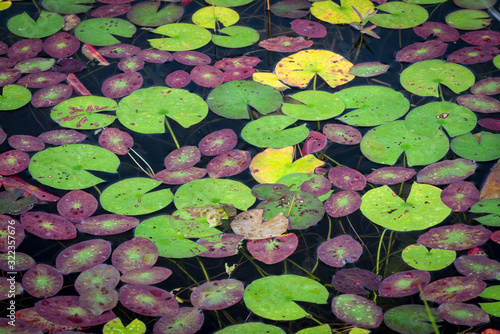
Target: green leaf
[(251, 327), (496, 61), (236, 37), (323, 329), (491, 206), (423, 78), (132, 197), (273, 297), (84, 112), (209, 17), (192, 222), (491, 292), (270, 131), (295, 180), (412, 319), (65, 167), (468, 19), (115, 326), (47, 24), (147, 14), (482, 146), (145, 109), (14, 97), (100, 31), (182, 37), (313, 105), (35, 65), (330, 12), (67, 6), (419, 257), (400, 15), (385, 143), (422, 209), (228, 3)]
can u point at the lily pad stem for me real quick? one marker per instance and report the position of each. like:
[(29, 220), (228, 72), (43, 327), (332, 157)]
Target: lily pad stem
[(172, 133), (97, 190), (388, 252), (38, 8), (429, 314), (332, 160), (185, 272), (148, 172), (378, 251), (249, 258), (314, 82), (303, 269), (203, 268), (441, 93)]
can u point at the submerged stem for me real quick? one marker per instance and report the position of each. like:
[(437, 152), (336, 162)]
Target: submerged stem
[(303, 269), (203, 268), (171, 132), (378, 252)]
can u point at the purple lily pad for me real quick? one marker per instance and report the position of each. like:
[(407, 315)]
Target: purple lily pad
[(26, 143), (314, 142), (182, 158), (65, 310), (473, 55), (491, 123), (240, 62), (133, 254), (42, 281), (460, 196), (77, 205), (13, 202), (41, 80), (155, 56), (404, 283), (342, 203), (480, 267), (3, 48), (101, 276), (446, 172), (98, 301), (390, 175), (340, 250), (207, 76), (454, 289), (22, 262), (147, 276), (369, 69), (9, 76), (62, 137), (119, 50), (25, 49), (342, 134), (221, 245), (482, 37), (192, 58), (479, 103), (455, 237), (488, 86), (240, 73), (34, 65), (3, 135), (9, 288), (229, 164), (48, 225), (13, 162), (347, 178), (318, 186), (83, 255), (356, 310), (273, 250), (107, 224), (188, 321), (6, 63), (441, 31), (68, 65), (131, 64), (180, 176), (148, 300), (292, 9), (10, 227), (463, 314), (308, 28), (217, 295), (30, 316), (178, 79), (20, 328), (111, 10), (353, 281), (51, 96), (421, 51), (218, 142), (116, 141), (285, 44), (61, 45), (122, 84)]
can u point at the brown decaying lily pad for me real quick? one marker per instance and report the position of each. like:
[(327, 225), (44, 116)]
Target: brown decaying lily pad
[(42, 281), (23, 262), (292, 9), (181, 176), (318, 186), (148, 276), (207, 76), (148, 300), (178, 79), (314, 142), (188, 321), (390, 175), (480, 267), (192, 58), (447, 171), (482, 37), (239, 62), (455, 237), (13, 202), (340, 250), (119, 50), (133, 254), (353, 281), (218, 142), (273, 250), (492, 184), (404, 283), (488, 86), (240, 73), (347, 178), (463, 314), (116, 141), (68, 65), (13, 162), (155, 56), (9, 76), (8, 224), (51, 96), (48, 225), (285, 44), (473, 55), (479, 103), (107, 224), (182, 158), (122, 84), (342, 203), (454, 289), (342, 134), (111, 10), (6, 63), (83, 255), (41, 80), (441, 31), (421, 51), (252, 225), (308, 28), (491, 123), (131, 64), (62, 137), (217, 295), (229, 164), (15, 182), (460, 196), (25, 49), (61, 45), (77, 205), (358, 311)]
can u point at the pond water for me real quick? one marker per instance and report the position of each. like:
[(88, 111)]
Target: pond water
[(381, 248)]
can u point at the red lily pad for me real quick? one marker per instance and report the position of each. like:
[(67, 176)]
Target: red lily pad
[(147, 276), (460, 196), (6, 63), (101, 276), (119, 50), (390, 175), (347, 178), (314, 142), (491, 123), (221, 245), (62, 137), (463, 314), (148, 300), (115, 140), (356, 310), (488, 86), (239, 73), (133, 254), (455, 237), (20, 328), (240, 62), (454, 289), (178, 79), (285, 44), (107, 224), (13, 162), (155, 56), (479, 103), (421, 51), (182, 158), (192, 58), (30, 316), (9, 76), (342, 203), (480, 267), (342, 134), (22, 262), (404, 283), (318, 186), (308, 28), (188, 321), (207, 76), (122, 84), (25, 49), (229, 164), (369, 69), (61, 45), (15, 182), (218, 142), (273, 250), (42, 281), (447, 171), (9, 288), (83, 255), (98, 301), (340, 250), (77, 205), (68, 65), (111, 10), (131, 64), (353, 281), (10, 227), (473, 55), (217, 295), (51, 96), (181, 176), (48, 225), (41, 80), (441, 31), (482, 37), (292, 9)]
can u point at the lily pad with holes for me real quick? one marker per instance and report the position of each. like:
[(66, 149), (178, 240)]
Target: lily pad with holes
[(460, 196), (77, 205), (211, 16), (356, 310), (218, 294), (480, 267), (24, 26), (229, 164), (270, 131), (181, 37), (340, 250), (107, 224), (342, 134), (236, 37), (447, 171), (482, 37), (411, 319), (313, 105), (83, 255), (221, 245), (97, 277), (148, 300), (273, 250), (330, 12), (404, 283), (399, 15), (136, 253), (342, 203), (419, 257), (421, 51), (368, 69), (42, 281), (48, 225), (347, 178), (390, 175), (453, 289), (479, 103), (84, 112), (455, 237), (253, 225), (468, 19), (121, 85), (463, 314), (482, 146), (100, 31), (149, 14), (14, 97), (355, 280)]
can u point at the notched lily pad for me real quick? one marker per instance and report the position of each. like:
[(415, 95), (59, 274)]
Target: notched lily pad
[(340, 250), (14, 97), (149, 14), (83, 255), (355, 280), (46, 24), (441, 31), (292, 9), (217, 295), (273, 250), (482, 146), (356, 310), (148, 300), (455, 237), (100, 31), (404, 283), (271, 131)]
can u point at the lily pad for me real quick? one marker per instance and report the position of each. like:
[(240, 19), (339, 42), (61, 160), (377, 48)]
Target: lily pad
[(314, 142), (107, 224), (189, 320), (473, 55), (207, 76), (67, 66), (480, 267), (369, 69), (218, 142), (51, 96), (340, 250), (455, 237), (48, 225), (285, 44), (14, 97), (221, 245), (25, 49), (121, 85), (182, 37), (330, 12), (217, 295), (342, 203), (308, 28), (468, 19), (147, 276), (356, 310), (421, 51), (313, 105), (482, 37), (119, 50), (61, 45), (131, 64), (192, 58), (116, 326), (347, 178), (317, 185), (291, 9), (42, 281), (24, 26), (490, 123), (34, 65), (229, 164), (68, 6), (404, 283), (100, 31), (453, 289), (479, 103), (148, 300), (77, 205), (482, 146), (488, 86), (390, 175), (273, 250), (149, 14), (13, 202), (178, 79), (270, 131), (251, 327), (418, 257), (487, 206), (111, 10), (411, 319), (235, 74), (117, 141), (21, 263), (41, 79), (254, 226), (211, 16), (491, 292), (342, 134), (136, 253), (9, 76), (101, 276), (83, 255), (463, 314), (97, 301), (399, 15), (447, 171), (192, 222), (236, 37), (355, 280), (155, 56), (441, 31), (460, 196), (13, 162)]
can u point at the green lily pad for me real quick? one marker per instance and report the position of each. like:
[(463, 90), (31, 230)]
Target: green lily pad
[(270, 131), (192, 222), (182, 37), (132, 197), (356, 310), (145, 109), (427, 119), (47, 24), (491, 206), (35, 65), (330, 12), (206, 192), (368, 69), (399, 15), (423, 78), (84, 112), (419, 257), (67, 6), (228, 3), (236, 37), (468, 19), (209, 17), (374, 105), (385, 143), (295, 181), (423, 208), (116, 326), (411, 319), (313, 105), (146, 14), (65, 167), (100, 31), (273, 297), (496, 61), (491, 292), (251, 327), (323, 329), (482, 146), (14, 97)]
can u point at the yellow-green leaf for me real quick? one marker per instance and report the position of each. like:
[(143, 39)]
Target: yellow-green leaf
[(208, 17), (269, 79), (330, 12), (115, 326)]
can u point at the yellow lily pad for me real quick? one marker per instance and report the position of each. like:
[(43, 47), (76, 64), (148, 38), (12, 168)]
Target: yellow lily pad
[(209, 16), (330, 12), (5, 4), (115, 326), (269, 79)]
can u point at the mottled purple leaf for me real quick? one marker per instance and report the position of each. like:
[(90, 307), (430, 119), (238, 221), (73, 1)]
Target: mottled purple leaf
[(136, 253), (62, 137), (101, 276), (342, 134), (353, 281), (119, 50), (221, 245), (488, 86), (51, 96), (41, 80), (491, 123), (182, 158), (314, 142), (218, 142), (68, 65), (473, 55), (181, 176), (207, 76), (178, 79), (9, 76), (11, 233), (6, 63), (356, 310), (155, 56), (455, 237), (25, 49), (308, 28), (83, 255), (460, 196), (292, 9), (13, 162), (148, 300), (77, 205), (188, 321), (240, 73), (22, 262), (217, 295), (111, 10), (30, 316), (116, 141), (192, 58), (390, 175), (273, 250), (347, 178), (229, 164), (48, 225), (482, 37), (421, 51), (20, 328), (477, 266), (285, 44), (340, 250), (3, 48), (270, 191), (441, 31), (240, 62), (98, 301), (463, 314), (42, 281), (479, 103), (131, 64), (447, 171), (61, 45), (318, 186), (342, 203), (148, 276), (404, 283), (453, 289), (122, 84)]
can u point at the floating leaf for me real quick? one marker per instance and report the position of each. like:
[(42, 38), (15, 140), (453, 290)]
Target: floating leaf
[(136, 253), (251, 327), (473, 55), (342, 134), (482, 146), (313, 106), (221, 245), (447, 171), (217, 295), (468, 19), (13, 162), (285, 44), (291, 9), (147, 14), (178, 79), (61, 45), (479, 267), (491, 292), (269, 79), (148, 300), (463, 314), (252, 225), (107, 224), (14, 97), (390, 175), (460, 196), (273, 250), (100, 31), (353, 281), (412, 319), (42, 281), (147, 276), (229, 164), (34, 65), (182, 37), (347, 178), (68, 6), (111, 10), (330, 12), (308, 28), (98, 277), (455, 237), (479, 103), (399, 15), (77, 205), (404, 283), (342, 203), (51, 96), (368, 69), (189, 319), (418, 257), (237, 37), (270, 131), (337, 251), (453, 289), (47, 24), (421, 51), (356, 310), (48, 225), (209, 17), (441, 31), (116, 326), (207, 76), (83, 255), (9, 76), (192, 222)]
